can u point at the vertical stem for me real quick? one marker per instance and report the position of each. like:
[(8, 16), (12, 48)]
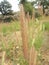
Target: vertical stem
[(33, 56), (28, 17), (33, 15), (24, 32), (3, 58)]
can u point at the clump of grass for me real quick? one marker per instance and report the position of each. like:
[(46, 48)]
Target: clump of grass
[(46, 25)]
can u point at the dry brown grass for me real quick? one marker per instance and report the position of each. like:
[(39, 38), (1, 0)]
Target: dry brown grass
[(24, 30)]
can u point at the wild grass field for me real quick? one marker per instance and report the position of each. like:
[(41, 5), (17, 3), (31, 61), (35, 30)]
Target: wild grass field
[(11, 42), (24, 32)]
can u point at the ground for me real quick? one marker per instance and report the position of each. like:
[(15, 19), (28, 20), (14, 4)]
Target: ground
[(44, 49)]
